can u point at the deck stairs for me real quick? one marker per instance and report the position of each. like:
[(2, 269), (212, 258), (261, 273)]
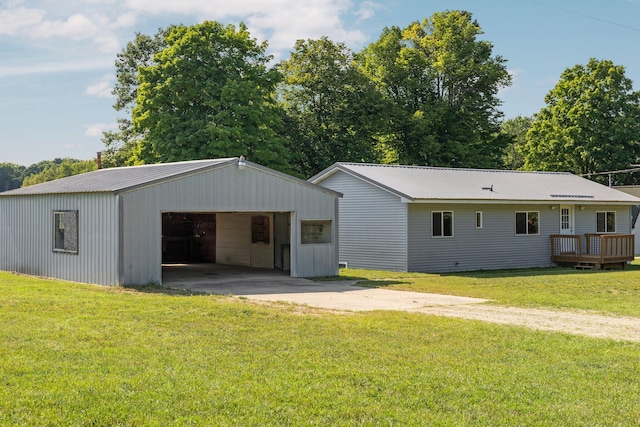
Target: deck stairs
[(587, 266)]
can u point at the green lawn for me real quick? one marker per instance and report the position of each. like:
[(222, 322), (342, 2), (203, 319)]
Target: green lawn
[(73, 354), (611, 291)]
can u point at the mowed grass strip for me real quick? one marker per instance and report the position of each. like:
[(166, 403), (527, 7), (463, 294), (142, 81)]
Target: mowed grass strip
[(73, 354), (614, 292)]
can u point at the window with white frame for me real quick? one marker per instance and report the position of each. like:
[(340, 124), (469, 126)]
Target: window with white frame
[(606, 222), (65, 231), (527, 223), (442, 224), (478, 219)]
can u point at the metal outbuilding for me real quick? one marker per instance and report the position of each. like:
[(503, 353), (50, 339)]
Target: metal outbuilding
[(119, 225)]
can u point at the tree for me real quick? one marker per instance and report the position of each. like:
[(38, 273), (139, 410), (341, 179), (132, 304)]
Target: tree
[(591, 123), (516, 129), (10, 176), (335, 112), (120, 144), (60, 168), (444, 84), (208, 94)]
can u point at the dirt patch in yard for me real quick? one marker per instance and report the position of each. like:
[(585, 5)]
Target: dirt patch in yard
[(572, 322)]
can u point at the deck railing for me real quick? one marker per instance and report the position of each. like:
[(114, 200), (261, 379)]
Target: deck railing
[(599, 248)]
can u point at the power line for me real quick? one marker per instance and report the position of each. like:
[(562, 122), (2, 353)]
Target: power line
[(587, 16)]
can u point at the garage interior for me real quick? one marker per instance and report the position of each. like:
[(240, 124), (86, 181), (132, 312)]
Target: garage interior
[(259, 240)]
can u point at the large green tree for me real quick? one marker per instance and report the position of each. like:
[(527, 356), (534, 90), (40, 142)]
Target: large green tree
[(444, 83), (121, 143), (334, 111), (11, 176), (516, 128), (591, 123), (209, 94)]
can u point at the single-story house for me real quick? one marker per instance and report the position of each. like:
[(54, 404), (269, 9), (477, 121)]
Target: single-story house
[(430, 219), (119, 225)]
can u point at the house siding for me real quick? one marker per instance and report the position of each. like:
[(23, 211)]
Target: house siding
[(224, 189), (494, 246), (373, 224), (26, 234)]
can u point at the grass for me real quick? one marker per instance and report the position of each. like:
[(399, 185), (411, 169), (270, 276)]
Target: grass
[(73, 354), (612, 291)]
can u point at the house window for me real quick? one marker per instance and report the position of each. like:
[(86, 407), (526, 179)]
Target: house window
[(527, 223), (65, 231), (442, 224), (478, 219), (315, 232), (605, 222)]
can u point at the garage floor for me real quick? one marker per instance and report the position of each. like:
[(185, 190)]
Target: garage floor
[(274, 285)]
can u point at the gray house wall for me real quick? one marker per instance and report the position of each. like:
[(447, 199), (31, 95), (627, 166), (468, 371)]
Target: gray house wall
[(494, 246), (373, 224), (26, 237), (224, 189)]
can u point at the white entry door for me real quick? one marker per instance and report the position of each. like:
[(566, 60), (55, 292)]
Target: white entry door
[(566, 227), (566, 219)]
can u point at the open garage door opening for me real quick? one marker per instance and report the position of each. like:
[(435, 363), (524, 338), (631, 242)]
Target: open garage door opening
[(258, 240)]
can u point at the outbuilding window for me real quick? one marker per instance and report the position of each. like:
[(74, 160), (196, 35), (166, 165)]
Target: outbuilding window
[(442, 224), (527, 223), (605, 222), (315, 231), (65, 231)]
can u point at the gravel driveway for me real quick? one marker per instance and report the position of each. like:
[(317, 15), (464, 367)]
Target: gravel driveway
[(344, 296)]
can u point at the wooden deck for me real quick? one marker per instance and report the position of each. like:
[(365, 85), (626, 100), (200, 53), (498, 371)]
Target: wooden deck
[(593, 250)]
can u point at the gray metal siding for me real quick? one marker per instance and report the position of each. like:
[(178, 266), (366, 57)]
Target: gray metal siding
[(373, 224), (225, 189), (26, 233), (494, 246)]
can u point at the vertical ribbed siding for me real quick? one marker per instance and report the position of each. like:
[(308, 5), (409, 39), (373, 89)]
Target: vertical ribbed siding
[(226, 189), (26, 234), (494, 246), (373, 224)]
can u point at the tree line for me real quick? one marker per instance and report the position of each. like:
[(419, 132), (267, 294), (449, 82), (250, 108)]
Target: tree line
[(425, 94)]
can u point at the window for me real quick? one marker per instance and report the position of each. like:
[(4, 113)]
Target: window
[(65, 231), (605, 222), (442, 224), (478, 219), (527, 223), (315, 232)]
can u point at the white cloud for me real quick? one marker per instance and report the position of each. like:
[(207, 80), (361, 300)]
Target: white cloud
[(367, 10), (56, 67), (15, 19), (102, 87), (281, 22), (35, 23), (96, 129)]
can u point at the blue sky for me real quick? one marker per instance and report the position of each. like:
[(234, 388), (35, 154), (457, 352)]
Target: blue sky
[(56, 57)]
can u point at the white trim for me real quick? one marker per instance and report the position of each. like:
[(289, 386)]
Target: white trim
[(615, 216), (527, 233), (443, 236)]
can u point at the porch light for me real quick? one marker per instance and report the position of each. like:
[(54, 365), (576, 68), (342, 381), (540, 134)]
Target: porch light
[(242, 163), (553, 207)]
